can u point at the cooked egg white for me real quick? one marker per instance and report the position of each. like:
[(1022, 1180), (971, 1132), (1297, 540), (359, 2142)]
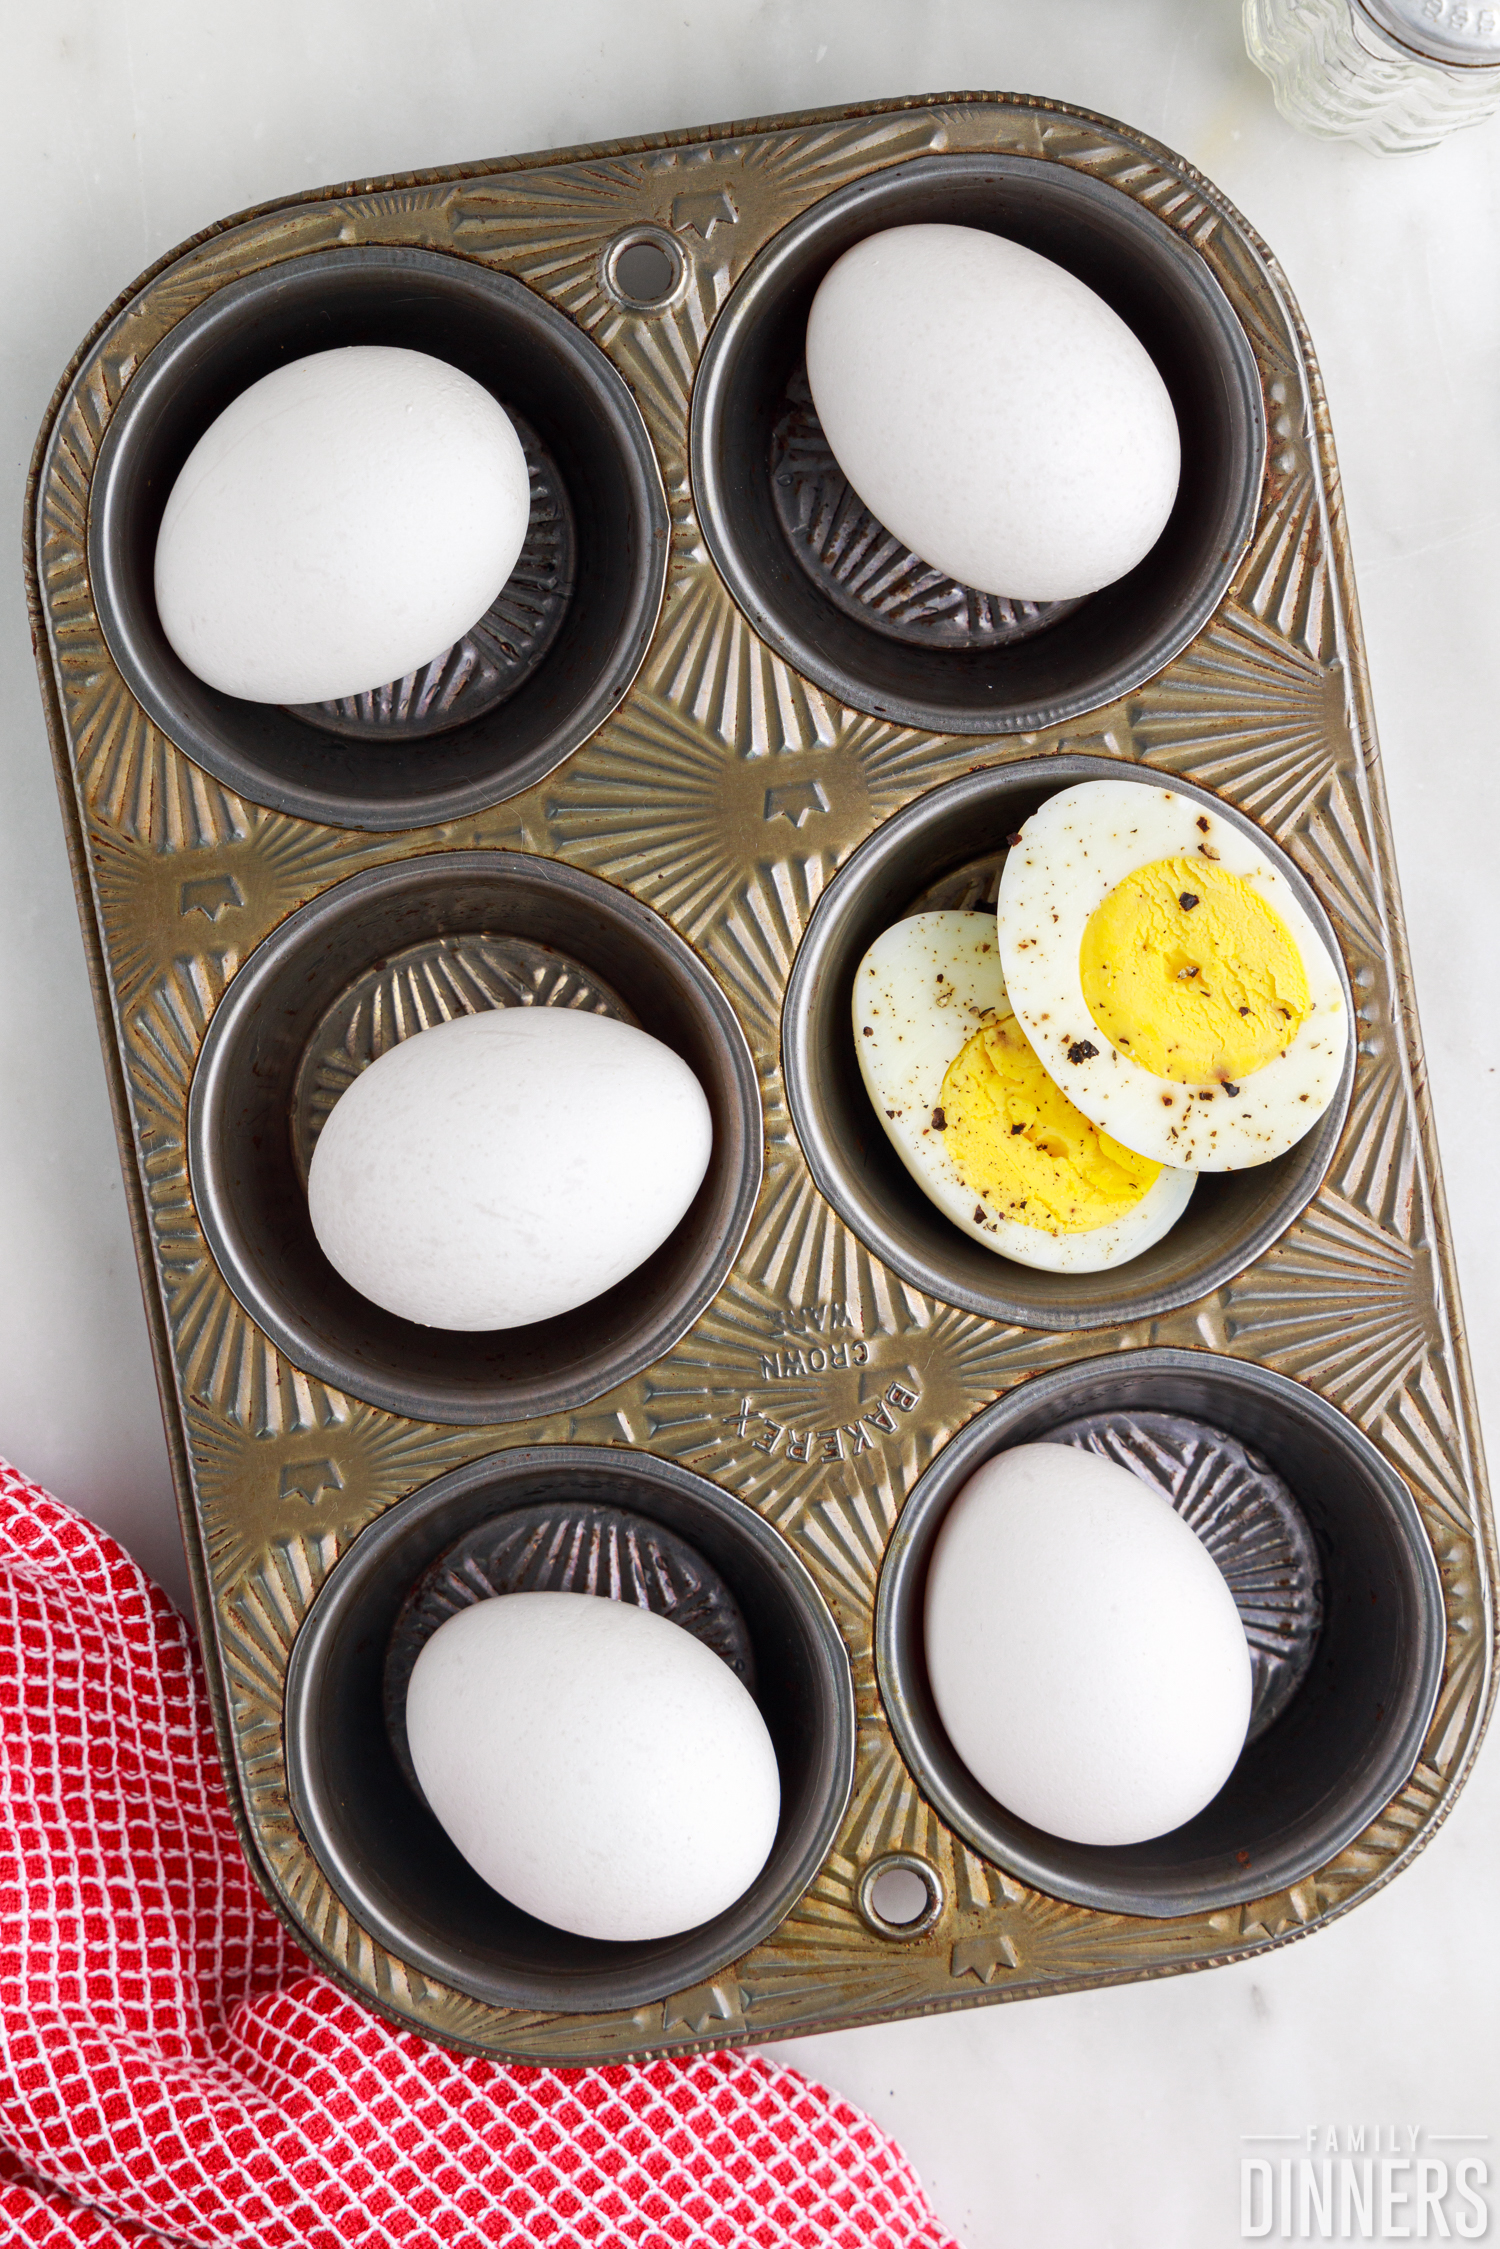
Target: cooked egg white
[(1168, 979), (986, 1134)]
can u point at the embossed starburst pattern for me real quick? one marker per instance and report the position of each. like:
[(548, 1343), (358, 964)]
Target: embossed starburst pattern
[(724, 792)]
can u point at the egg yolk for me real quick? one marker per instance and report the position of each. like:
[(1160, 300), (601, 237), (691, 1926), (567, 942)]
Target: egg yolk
[(1017, 1142), (1189, 971)]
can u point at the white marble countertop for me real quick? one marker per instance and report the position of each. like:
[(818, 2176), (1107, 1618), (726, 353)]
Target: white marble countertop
[(1111, 2120)]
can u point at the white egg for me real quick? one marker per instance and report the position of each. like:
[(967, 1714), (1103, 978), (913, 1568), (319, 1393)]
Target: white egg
[(992, 411), (1085, 1654), (344, 521), (997, 1147), (505, 1167), (1218, 1026), (596, 1764)]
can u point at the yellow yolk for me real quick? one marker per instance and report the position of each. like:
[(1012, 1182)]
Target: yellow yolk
[(1016, 1140), (1186, 969)]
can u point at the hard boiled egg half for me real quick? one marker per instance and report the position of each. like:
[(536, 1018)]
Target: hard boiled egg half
[(1167, 977), (985, 1132)]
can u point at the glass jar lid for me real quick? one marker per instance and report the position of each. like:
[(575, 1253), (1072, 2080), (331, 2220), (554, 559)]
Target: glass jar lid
[(1447, 31)]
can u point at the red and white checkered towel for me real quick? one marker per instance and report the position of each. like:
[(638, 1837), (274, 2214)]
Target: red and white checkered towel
[(173, 2071)]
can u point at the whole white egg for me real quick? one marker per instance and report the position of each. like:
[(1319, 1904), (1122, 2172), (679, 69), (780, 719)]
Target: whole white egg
[(344, 521), (992, 411), (505, 1167), (1085, 1654), (595, 1763)]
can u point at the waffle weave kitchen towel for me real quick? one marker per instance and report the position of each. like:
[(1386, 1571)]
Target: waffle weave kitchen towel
[(175, 2072)]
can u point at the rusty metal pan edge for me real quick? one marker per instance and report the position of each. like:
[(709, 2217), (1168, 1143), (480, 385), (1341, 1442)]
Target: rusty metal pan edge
[(1398, 949), (164, 1363)]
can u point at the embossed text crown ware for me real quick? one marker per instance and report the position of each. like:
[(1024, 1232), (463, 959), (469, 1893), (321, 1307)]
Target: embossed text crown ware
[(639, 788)]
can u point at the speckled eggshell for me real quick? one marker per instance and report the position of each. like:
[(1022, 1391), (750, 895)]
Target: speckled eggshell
[(344, 521), (505, 1167), (596, 1764), (992, 411), (1085, 1653)]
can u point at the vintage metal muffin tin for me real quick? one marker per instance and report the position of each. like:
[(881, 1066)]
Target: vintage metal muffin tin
[(645, 819)]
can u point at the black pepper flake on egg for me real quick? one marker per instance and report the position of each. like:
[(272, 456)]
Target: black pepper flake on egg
[(869, 1034), (1082, 1050), (1015, 1129), (1187, 900), (1244, 1011), (1208, 851), (939, 1121), (1202, 824), (1206, 1093), (979, 1214), (1014, 840), (1231, 1090)]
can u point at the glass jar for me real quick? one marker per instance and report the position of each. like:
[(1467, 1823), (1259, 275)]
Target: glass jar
[(1390, 74)]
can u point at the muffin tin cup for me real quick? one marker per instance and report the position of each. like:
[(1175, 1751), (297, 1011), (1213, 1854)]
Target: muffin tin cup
[(1233, 1216), (535, 361), (1104, 645), (248, 1190), (385, 1854), (1344, 1745)]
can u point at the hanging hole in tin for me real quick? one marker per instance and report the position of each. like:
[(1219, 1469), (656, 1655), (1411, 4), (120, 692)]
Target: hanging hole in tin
[(900, 1895), (643, 270)]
